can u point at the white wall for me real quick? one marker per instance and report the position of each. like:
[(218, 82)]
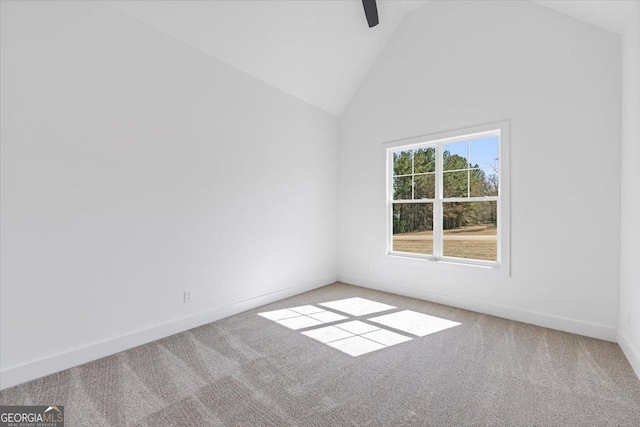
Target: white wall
[(135, 167), (629, 332), (458, 64)]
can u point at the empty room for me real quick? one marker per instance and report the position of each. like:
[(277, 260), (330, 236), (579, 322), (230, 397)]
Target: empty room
[(320, 213)]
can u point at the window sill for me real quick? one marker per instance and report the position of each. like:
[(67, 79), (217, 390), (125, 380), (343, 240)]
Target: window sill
[(449, 262)]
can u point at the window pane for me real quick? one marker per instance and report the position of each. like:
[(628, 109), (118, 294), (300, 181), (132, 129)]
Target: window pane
[(402, 163), (484, 152), (483, 182), (485, 158), (470, 230), (454, 156), (425, 186), (413, 227), (455, 184), (424, 160), (402, 188)]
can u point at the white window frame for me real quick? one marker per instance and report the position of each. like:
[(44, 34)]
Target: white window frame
[(501, 129)]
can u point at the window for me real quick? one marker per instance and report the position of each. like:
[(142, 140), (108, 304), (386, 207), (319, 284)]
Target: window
[(448, 196)]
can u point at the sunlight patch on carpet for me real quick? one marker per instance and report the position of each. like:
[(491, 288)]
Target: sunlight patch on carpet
[(357, 306), (357, 337), (302, 317), (414, 323)]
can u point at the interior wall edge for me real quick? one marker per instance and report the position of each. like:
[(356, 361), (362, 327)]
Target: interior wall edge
[(534, 318), (632, 354), (15, 375)]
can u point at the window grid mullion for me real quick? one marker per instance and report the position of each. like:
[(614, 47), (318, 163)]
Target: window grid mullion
[(413, 172), (471, 199), (450, 200), (410, 201), (437, 205), (468, 168)]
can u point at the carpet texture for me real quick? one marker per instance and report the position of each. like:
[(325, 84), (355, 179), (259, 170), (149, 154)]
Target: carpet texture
[(247, 370)]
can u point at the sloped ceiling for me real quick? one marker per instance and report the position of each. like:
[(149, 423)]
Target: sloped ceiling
[(612, 15), (316, 50)]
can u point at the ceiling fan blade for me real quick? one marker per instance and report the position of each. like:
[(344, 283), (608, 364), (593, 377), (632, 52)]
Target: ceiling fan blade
[(371, 10)]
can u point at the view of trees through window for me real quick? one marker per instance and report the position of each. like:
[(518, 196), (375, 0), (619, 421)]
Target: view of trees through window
[(465, 206)]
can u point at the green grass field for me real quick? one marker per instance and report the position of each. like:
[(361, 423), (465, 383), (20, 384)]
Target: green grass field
[(477, 242)]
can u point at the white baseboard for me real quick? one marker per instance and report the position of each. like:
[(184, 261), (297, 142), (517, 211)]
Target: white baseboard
[(28, 371), (539, 319), (632, 354)]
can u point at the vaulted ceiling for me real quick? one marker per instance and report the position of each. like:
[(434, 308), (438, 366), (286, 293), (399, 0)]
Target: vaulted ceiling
[(316, 50), (612, 15)]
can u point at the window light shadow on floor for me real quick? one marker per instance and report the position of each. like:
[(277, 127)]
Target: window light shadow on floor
[(302, 317), (357, 306), (356, 337), (414, 323)]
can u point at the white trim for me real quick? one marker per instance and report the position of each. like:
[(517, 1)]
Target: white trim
[(531, 317), (468, 261), (31, 370), (448, 137), (632, 354), (446, 259)]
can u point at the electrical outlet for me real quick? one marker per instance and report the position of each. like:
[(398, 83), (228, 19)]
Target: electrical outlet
[(187, 297)]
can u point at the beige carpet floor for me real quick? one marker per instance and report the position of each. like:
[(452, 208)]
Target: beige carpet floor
[(247, 370)]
